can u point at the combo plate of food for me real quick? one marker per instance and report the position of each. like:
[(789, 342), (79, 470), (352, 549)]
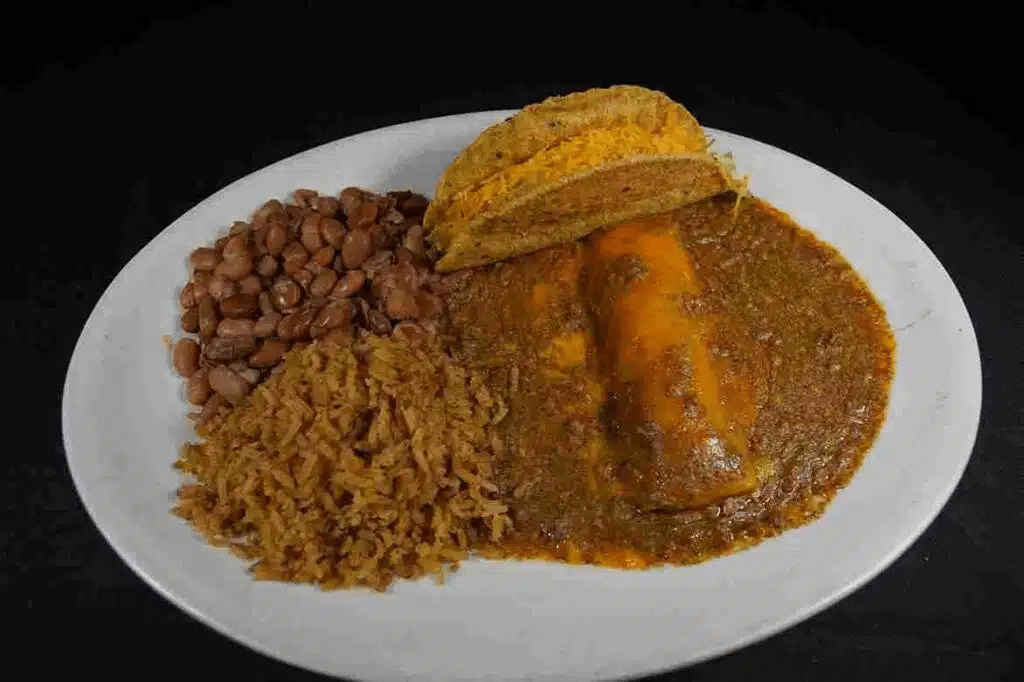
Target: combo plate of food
[(580, 391)]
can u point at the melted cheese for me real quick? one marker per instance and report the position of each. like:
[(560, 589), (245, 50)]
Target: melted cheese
[(647, 324)]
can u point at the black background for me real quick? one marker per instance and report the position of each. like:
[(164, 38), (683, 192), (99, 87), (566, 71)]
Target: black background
[(116, 122)]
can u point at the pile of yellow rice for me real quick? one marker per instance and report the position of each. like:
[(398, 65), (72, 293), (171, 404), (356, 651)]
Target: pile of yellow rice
[(353, 466)]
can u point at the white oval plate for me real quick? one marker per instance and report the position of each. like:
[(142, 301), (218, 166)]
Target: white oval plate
[(123, 424)]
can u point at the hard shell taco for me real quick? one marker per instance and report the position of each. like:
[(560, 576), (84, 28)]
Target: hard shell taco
[(562, 168)]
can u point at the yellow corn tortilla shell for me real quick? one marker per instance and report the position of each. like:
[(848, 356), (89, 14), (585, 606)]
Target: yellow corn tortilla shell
[(562, 168), (578, 204), (539, 126)]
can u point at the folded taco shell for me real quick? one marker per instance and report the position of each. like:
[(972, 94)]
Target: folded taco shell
[(564, 167)]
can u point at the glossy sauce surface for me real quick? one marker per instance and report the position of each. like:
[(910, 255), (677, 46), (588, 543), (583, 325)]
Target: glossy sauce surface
[(679, 387)]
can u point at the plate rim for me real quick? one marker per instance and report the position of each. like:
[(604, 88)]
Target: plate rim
[(736, 643)]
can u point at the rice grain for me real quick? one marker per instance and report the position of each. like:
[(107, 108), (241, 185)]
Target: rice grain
[(353, 466)]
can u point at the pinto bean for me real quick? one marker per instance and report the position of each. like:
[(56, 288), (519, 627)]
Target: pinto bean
[(309, 233), (250, 285), (414, 241), (286, 327), (322, 258), (378, 322), (332, 231), (342, 336), (323, 283), (267, 267), (197, 386), (293, 257), (363, 215), (208, 319), (304, 197), (303, 325), (350, 198), (204, 259), (231, 326), (240, 305), (236, 248), (221, 287), (201, 284), (332, 316), (186, 357), (415, 206), (356, 248), (234, 268), (303, 278), (266, 325), (351, 282), (266, 210), (228, 384), (190, 321), (270, 353), (228, 348), (187, 298), (277, 237), (264, 303), (400, 304), (210, 409)]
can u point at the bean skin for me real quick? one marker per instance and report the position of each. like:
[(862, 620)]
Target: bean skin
[(303, 278), (265, 306), (356, 248), (323, 257), (267, 267), (293, 257), (236, 248), (204, 259), (286, 327), (234, 268), (266, 325), (186, 357), (228, 348), (323, 283), (190, 321), (272, 206), (235, 327), (350, 199), (208, 319), (201, 284), (187, 299), (228, 384), (341, 336), (350, 283), (240, 305), (277, 236), (250, 285), (414, 241), (363, 215), (303, 325), (332, 231), (270, 353), (304, 197), (210, 409), (331, 316), (285, 293), (327, 206), (221, 287), (378, 322), (400, 304), (309, 233), (197, 386)]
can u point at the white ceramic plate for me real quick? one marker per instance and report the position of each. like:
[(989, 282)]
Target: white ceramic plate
[(123, 423)]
